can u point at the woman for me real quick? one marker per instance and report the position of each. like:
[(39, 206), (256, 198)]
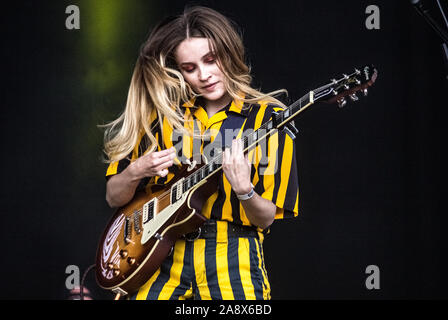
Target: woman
[(191, 81)]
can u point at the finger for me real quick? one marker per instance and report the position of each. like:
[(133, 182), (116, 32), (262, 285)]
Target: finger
[(163, 153), (237, 150), (229, 156), (240, 148), (247, 159), (162, 166), (158, 161), (234, 148), (163, 172), (225, 156)]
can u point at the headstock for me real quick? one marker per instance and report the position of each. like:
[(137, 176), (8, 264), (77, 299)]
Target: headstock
[(335, 91), (348, 85)]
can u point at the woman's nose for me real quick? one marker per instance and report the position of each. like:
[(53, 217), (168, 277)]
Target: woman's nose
[(204, 73)]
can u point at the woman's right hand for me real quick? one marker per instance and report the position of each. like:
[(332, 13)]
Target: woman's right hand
[(153, 164)]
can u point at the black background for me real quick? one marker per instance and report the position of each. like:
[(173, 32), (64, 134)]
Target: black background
[(371, 174)]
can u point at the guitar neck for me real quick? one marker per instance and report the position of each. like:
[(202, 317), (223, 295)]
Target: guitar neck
[(335, 91), (252, 139)]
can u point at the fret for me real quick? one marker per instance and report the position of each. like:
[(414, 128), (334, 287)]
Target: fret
[(202, 174)]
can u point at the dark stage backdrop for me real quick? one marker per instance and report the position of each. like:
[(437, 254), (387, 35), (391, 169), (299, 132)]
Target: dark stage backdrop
[(371, 174)]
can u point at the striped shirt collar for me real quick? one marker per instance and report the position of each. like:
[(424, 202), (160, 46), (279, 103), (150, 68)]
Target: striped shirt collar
[(235, 106)]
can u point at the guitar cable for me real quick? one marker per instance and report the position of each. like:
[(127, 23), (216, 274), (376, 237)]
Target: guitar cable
[(81, 289)]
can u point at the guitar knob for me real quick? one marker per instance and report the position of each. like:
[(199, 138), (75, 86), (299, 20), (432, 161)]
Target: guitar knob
[(354, 97), (116, 272), (365, 92), (131, 261), (110, 266), (123, 254), (341, 102)]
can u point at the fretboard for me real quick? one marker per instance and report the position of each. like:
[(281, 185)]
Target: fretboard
[(250, 141)]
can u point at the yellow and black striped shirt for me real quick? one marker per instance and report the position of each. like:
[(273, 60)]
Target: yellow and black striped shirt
[(274, 168)]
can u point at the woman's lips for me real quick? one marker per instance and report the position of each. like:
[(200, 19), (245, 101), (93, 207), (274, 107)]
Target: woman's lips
[(210, 87)]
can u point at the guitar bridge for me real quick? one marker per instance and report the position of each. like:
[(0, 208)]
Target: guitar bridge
[(127, 230), (137, 222)]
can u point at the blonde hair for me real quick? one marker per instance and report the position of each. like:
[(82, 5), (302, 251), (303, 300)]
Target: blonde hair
[(158, 85)]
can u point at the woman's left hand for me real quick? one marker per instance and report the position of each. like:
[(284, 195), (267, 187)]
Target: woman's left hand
[(236, 167)]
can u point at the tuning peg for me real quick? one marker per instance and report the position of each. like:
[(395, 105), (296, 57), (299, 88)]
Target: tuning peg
[(291, 130), (341, 102), (365, 92), (354, 97), (357, 71), (335, 93)]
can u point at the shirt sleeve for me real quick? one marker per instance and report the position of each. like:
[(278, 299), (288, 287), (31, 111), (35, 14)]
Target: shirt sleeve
[(140, 149), (117, 167), (278, 175)]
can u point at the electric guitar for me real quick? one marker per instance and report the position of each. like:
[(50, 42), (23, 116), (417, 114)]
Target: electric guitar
[(142, 233)]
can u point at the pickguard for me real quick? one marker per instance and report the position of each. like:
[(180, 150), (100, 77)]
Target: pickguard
[(151, 227)]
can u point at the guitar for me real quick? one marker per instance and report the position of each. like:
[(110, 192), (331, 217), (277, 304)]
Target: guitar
[(142, 233)]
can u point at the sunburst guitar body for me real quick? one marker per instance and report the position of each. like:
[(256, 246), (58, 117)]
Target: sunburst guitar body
[(141, 234)]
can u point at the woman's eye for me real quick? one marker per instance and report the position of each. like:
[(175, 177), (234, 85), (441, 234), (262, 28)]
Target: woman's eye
[(188, 70), (210, 60)]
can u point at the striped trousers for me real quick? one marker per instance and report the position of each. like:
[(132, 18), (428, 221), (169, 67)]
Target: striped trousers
[(221, 268)]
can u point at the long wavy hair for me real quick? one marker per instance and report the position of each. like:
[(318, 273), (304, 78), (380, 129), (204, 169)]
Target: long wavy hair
[(157, 83)]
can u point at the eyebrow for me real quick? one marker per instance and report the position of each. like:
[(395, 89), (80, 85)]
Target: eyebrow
[(203, 57)]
